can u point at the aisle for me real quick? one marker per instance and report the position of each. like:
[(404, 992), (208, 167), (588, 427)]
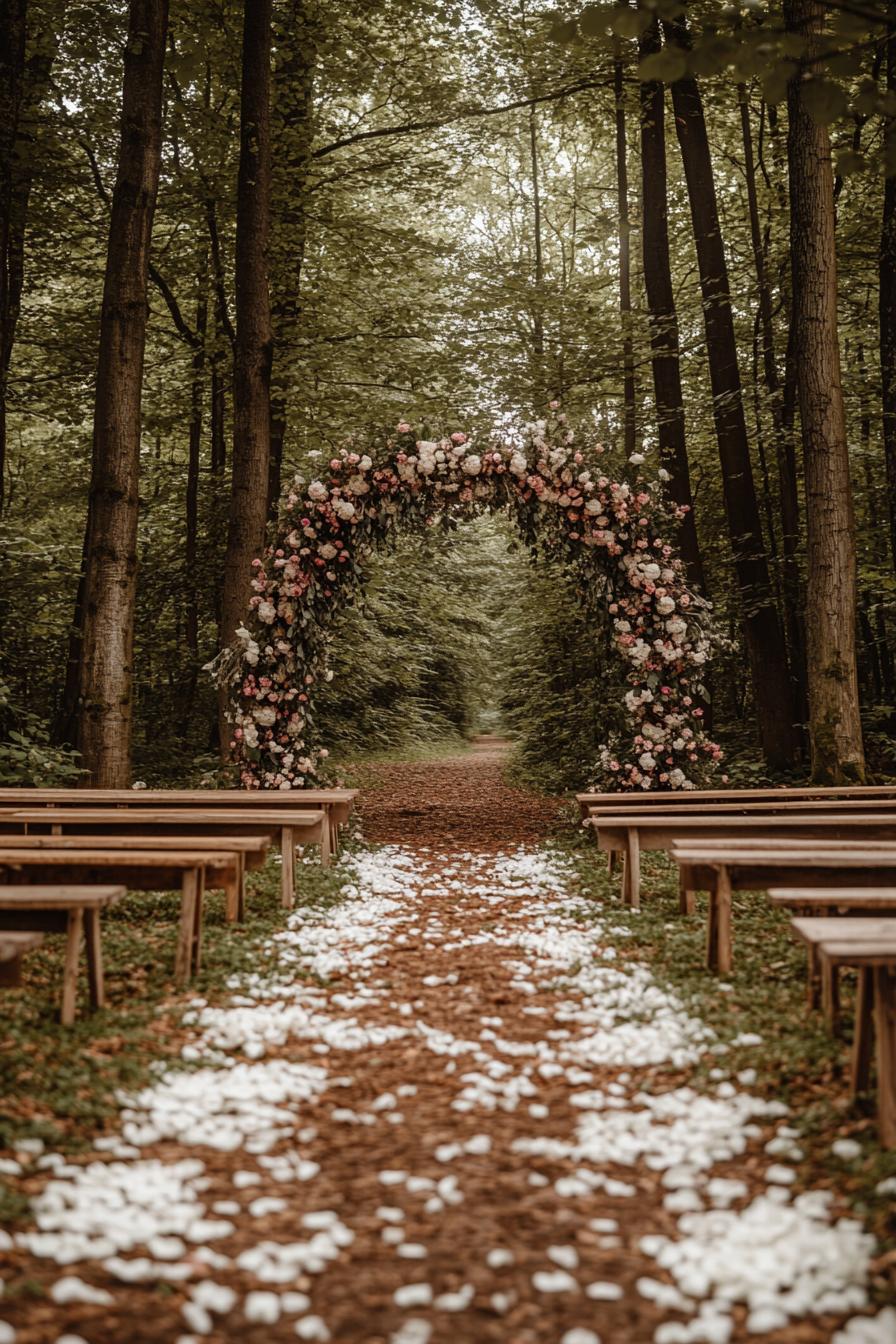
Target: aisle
[(447, 1110)]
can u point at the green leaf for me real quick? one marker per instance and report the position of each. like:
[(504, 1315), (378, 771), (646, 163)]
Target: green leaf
[(563, 30), (595, 20), (666, 66), (849, 161), (824, 100), (631, 22), (776, 80)]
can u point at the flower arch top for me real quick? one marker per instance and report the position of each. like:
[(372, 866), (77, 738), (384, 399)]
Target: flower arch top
[(617, 530)]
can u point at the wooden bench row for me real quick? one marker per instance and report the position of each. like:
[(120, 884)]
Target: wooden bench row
[(101, 851)]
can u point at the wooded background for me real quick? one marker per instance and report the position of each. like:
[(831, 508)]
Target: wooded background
[(231, 236)]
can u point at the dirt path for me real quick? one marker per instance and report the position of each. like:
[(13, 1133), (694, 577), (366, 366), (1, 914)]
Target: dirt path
[(447, 1110), (463, 799)]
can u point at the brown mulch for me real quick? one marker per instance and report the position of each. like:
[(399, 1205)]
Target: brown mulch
[(458, 800)]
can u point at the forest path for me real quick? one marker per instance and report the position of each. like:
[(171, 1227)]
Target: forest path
[(454, 1112)]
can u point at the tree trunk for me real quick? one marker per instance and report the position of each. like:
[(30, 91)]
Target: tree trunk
[(252, 357), (539, 388), (106, 709), (783, 437), (662, 313), (13, 16), (191, 501), (625, 259), (292, 139), (764, 635), (887, 308), (835, 728)]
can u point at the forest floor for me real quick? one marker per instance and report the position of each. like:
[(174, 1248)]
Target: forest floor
[(455, 1104)]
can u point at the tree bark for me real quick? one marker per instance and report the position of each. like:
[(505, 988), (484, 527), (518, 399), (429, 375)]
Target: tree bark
[(625, 258), (106, 708), (764, 636), (292, 138), (26, 60), (783, 436), (13, 19), (887, 291), (253, 351), (662, 313), (835, 728), (539, 389)]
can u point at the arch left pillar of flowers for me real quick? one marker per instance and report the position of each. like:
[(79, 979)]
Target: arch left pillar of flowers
[(557, 492)]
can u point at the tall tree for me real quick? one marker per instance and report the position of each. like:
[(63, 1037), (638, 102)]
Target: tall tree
[(835, 728), (254, 342), (764, 635), (782, 432), (13, 17), (625, 254), (665, 362), (292, 138), (887, 291), (110, 575)]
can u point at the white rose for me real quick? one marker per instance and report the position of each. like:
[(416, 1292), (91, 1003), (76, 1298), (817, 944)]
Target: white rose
[(317, 490), (651, 572), (518, 464), (665, 605), (266, 715), (344, 508), (266, 612), (472, 465), (365, 464), (636, 459), (327, 550), (646, 761)]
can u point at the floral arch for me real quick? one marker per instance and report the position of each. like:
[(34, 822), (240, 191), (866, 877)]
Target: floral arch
[(561, 499)]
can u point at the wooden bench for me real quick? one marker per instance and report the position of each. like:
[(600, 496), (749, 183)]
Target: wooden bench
[(336, 803), (674, 798), (823, 987), (13, 946), (721, 870), (869, 945), (181, 870), (632, 834), (287, 827), (249, 853), (73, 910)]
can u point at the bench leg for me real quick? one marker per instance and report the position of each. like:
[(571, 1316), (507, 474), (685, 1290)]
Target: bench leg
[(288, 865), (687, 899), (74, 934), (188, 895), (333, 825), (233, 891), (863, 1039), (196, 939), (830, 996), (885, 1024), (813, 979), (633, 869), (611, 862), (719, 950), (94, 959), (325, 849)]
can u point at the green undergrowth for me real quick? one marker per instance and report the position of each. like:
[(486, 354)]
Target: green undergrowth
[(58, 1083), (797, 1061)]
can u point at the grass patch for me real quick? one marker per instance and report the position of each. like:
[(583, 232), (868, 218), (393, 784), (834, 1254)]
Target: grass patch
[(58, 1084), (798, 1061)]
